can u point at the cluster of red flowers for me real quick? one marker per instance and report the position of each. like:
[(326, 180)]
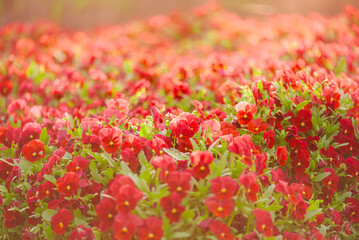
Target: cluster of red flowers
[(179, 127)]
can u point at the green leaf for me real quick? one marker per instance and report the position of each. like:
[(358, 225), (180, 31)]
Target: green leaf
[(127, 66), (50, 178), (109, 159), (67, 156), (176, 155), (260, 86), (48, 213), (125, 170), (343, 196), (311, 214), (194, 145), (43, 135), (181, 235), (320, 177), (268, 192), (25, 165)]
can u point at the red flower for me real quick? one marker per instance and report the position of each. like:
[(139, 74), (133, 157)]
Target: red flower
[(46, 190), (81, 232), (111, 139), (264, 222), (166, 164), (245, 112), (221, 230), (30, 131), (242, 146), (12, 218), (352, 210), (224, 187), (125, 226), (256, 126), (151, 229), (68, 184), (200, 162), (157, 144), (60, 221), (219, 207), (303, 120), (127, 198), (269, 138), (282, 155), (133, 142), (129, 157), (332, 180), (185, 125), (93, 141), (117, 108), (346, 127), (172, 207), (34, 150), (250, 184), (179, 182), (301, 161), (106, 212), (5, 168)]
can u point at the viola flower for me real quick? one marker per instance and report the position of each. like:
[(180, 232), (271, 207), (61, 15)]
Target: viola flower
[(5, 168), (352, 167), (221, 230), (111, 139), (157, 144), (251, 186), (303, 120), (133, 143), (256, 126), (185, 125), (129, 157), (127, 198), (200, 162), (281, 155), (346, 127), (60, 221), (30, 131), (93, 141), (219, 207), (332, 180), (12, 218), (301, 161), (46, 190), (260, 163), (211, 130), (269, 138), (117, 108), (352, 210), (245, 112), (172, 207), (179, 182), (166, 164), (126, 225), (68, 184), (106, 212), (78, 165), (300, 210), (151, 229), (224, 187), (264, 222), (81, 232), (242, 146), (34, 150)]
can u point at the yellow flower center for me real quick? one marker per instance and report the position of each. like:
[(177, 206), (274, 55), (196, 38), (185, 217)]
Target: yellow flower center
[(111, 143), (124, 229), (223, 190), (126, 203), (220, 209), (151, 235), (302, 124), (179, 189), (68, 187), (174, 211), (61, 225), (109, 215), (202, 168), (34, 154)]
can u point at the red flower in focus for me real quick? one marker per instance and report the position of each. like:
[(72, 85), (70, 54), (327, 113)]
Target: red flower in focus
[(221, 230), (179, 182), (224, 187), (60, 221), (200, 162), (256, 126), (219, 207), (185, 125), (157, 144), (166, 164), (93, 141), (111, 139), (106, 212), (34, 150), (68, 184), (151, 229), (133, 142), (282, 155), (303, 120), (125, 226), (301, 161), (46, 190), (172, 207), (5, 168), (242, 146), (346, 127), (269, 138), (352, 210), (245, 112), (30, 131), (332, 180), (127, 198), (264, 222), (249, 182)]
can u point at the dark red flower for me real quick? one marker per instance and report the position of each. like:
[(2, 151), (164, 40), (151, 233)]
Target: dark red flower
[(46, 190), (106, 212), (224, 187), (257, 125), (93, 141), (5, 168), (282, 155), (352, 210), (127, 198), (301, 161), (264, 222), (219, 207), (34, 150), (60, 221), (125, 226), (172, 207), (291, 236), (13, 218), (245, 112), (269, 138), (251, 186), (179, 182), (68, 184), (82, 233), (30, 131), (332, 180), (221, 230), (111, 139), (129, 157), (303, 120), (200, 161), (151, 229)]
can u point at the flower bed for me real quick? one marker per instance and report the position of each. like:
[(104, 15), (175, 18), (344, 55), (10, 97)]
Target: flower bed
[(185, 126)]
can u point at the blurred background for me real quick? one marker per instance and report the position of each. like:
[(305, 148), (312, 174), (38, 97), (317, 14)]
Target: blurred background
[(84, 14)]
